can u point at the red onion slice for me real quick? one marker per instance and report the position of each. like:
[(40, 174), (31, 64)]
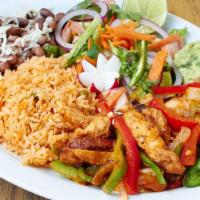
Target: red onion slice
[(65, 19), (103, 7), (101, 4), (154, 26), (178, 75)]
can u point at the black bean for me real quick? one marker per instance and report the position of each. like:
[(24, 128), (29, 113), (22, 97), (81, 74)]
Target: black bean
[(40, 21), (59, 16), (4, 66), (44, 12), (23, 22), (14, 31), (38, 51)]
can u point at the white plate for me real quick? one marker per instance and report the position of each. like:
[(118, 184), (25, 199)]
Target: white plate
[(45, 182)]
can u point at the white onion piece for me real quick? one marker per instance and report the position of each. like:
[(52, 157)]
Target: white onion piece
[(178, 75), (154, 26), (65, 19), (115, 23)]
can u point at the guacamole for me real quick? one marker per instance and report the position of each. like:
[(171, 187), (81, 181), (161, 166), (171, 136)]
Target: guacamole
[(188, 61)]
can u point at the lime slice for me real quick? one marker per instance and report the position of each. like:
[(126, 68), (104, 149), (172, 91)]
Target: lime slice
[(154, 10)]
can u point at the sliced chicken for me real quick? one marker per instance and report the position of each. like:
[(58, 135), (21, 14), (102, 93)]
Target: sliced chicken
[(75, 118), (187, 105), (90, 143), (159, 119), (148, 138), (78, 156), (98, 127), (148, 181), (183, 106)]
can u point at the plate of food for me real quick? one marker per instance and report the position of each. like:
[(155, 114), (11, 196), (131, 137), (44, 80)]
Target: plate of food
[(99, 99)]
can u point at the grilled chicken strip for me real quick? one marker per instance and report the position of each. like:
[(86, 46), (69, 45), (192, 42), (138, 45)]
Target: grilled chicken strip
[(79, 156), (183, 106), (97, 127), (159, 119), (148, 181), (188, 105), (90, 143), (148, 138)]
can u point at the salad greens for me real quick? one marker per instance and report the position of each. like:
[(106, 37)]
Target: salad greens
[(182, 32), (78, 49), (122, 14)]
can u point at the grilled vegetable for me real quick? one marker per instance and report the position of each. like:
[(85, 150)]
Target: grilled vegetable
[(132, 155), (189, 154), (175, 121), (147, 161), (73, 173), (141, 66), (119, 168), (192, 176)]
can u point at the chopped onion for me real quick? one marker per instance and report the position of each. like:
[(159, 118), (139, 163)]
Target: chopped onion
[(65, 19), (154, 26)]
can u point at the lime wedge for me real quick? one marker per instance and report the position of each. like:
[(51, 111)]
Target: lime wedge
[(154, 10)]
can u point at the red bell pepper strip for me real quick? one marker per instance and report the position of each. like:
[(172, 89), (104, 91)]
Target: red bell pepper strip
[(189, 153), (175, 121), (175, 89), (132, 155), (132, 152)]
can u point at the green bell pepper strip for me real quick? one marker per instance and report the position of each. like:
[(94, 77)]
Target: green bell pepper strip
[(142, 64), (179, 149), (120, 167), (166, 79), (147, 161), (70, 172), (192, 176)]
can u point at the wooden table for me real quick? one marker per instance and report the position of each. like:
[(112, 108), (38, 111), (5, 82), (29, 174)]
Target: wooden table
[(187, 9)]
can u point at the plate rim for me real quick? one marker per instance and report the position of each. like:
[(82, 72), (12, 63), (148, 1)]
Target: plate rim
[(44, 194)]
